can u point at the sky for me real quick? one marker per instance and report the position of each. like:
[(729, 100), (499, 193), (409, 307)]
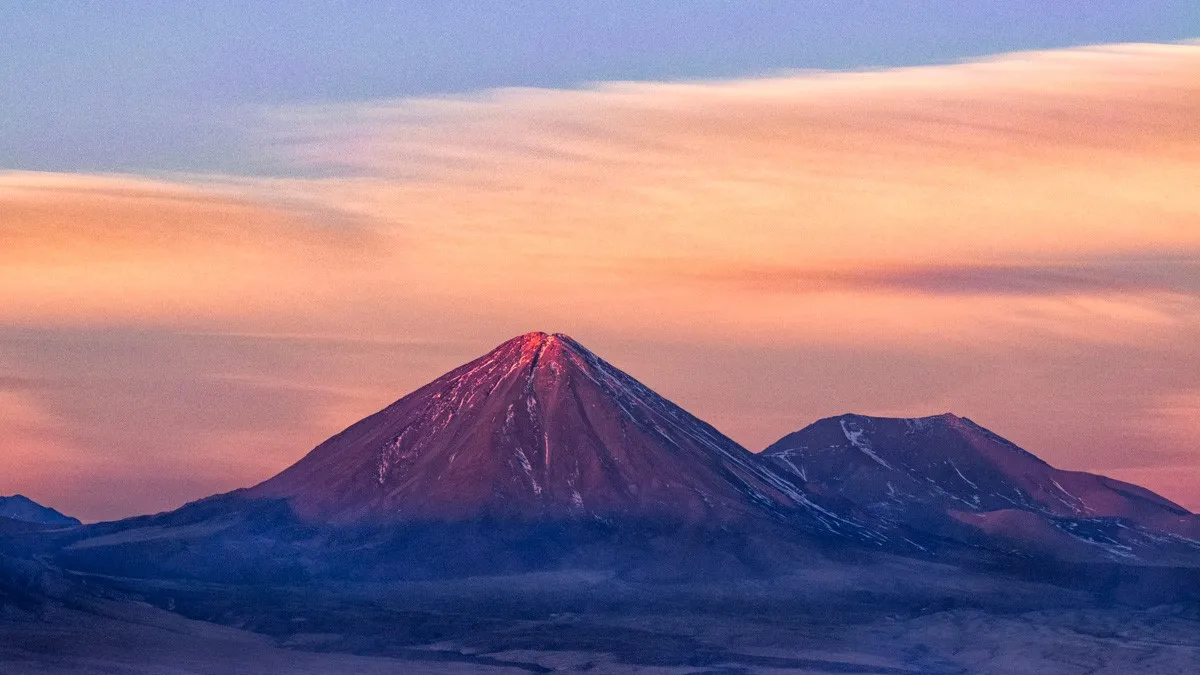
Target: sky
[(229, 230)]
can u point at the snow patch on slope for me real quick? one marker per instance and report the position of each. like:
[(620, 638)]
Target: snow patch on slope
[(965, 479), (857, 438)]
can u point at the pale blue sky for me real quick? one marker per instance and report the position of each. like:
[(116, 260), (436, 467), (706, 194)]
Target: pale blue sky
[(167, 85)]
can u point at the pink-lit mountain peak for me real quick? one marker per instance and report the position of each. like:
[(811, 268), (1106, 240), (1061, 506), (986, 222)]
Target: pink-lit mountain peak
[(534, 351), (949, 461), (531, 346), (942, 438), (947, 475), (539, 427)]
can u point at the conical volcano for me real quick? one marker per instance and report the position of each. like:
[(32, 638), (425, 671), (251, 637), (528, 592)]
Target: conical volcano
[(538, 428), (538, 455)]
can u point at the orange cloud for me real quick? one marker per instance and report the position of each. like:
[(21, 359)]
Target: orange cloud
[(1035, 172), (83, 248), (1082, 151)]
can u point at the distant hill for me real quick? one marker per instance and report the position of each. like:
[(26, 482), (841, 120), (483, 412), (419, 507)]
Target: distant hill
[(23, 509)]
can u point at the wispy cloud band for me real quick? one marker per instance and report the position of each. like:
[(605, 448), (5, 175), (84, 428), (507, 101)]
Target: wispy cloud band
[(1170, 274)]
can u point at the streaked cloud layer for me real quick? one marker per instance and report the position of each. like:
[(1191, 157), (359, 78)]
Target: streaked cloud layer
[(1016, 239), (81, 248)]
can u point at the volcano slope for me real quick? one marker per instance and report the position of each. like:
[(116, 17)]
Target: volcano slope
[(538, 455)]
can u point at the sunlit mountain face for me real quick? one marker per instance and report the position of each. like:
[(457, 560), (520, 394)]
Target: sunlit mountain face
[(540, 427)]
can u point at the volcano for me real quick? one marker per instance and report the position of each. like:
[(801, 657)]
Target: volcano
[(538, 454), (949, 475), (538, 428)]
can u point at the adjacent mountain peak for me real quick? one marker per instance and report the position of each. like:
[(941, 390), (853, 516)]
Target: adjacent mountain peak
[(946, 420), (537, 428), (926, 471), (900, 440), (948, 459), (23, 509), (946, 417)]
